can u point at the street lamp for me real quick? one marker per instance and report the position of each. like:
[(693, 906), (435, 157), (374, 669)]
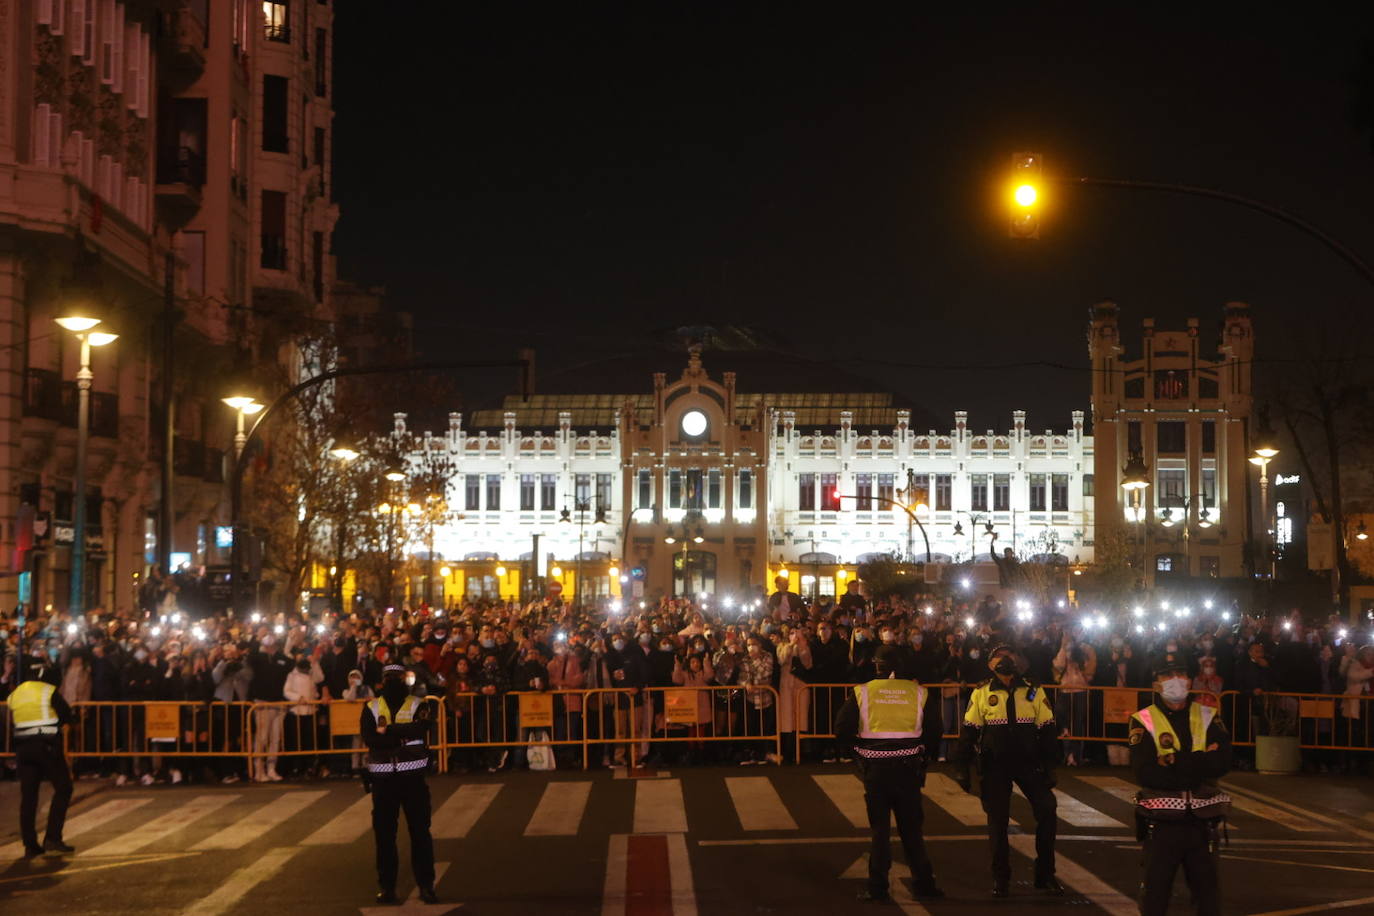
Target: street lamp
[(244, 406), (1135, 480), (82, 328), (1264, 452)]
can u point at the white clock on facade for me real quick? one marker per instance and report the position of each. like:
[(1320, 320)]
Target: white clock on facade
[(693, 423)]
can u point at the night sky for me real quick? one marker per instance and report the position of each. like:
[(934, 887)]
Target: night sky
[(831, 178)]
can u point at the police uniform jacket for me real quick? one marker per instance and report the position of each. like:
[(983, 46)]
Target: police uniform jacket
[(889, 718), (403, 747), (1009, 723), (1169, 756)]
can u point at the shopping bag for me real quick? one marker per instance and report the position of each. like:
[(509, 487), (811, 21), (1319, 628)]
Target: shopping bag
[(539, 754)]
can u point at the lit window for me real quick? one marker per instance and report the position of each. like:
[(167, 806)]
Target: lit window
[(276, 21)]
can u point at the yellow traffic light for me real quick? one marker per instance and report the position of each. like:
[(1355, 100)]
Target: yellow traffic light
[(1025, 196)]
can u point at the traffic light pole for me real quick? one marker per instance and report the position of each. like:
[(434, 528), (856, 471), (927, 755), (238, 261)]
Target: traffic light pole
[(236, 592)]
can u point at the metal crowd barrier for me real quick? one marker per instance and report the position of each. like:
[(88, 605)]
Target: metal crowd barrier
[(700, 715), (1321, 721), (624, 723)]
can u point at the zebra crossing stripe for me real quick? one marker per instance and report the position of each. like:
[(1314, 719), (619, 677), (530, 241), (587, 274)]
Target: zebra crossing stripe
[(259, 822), (230, 895), (659, 807), (84, 823), (159, 828), (847, 794), (560, 809), (1080, 879), (963, 807), (355, 820), (461, 810), (757, 804)]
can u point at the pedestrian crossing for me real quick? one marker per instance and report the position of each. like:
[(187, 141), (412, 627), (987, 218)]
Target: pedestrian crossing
[(711, 805)]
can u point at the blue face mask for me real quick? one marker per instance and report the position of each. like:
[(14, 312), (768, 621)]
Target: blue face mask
[(488, 643), (52, 653)]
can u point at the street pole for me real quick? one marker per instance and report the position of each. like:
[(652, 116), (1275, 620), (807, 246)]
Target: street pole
[(76, 603), (1264, 516), (165, 509)]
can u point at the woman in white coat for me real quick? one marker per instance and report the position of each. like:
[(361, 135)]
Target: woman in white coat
[(794, 704)]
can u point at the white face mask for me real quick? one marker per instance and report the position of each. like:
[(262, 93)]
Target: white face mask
[(1174, 689)]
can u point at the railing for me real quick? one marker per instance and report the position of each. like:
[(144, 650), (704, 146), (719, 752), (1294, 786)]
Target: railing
[(42, 394), (624, 723), (181, 165)]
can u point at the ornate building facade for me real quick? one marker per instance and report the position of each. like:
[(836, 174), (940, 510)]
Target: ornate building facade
[(698, 487)]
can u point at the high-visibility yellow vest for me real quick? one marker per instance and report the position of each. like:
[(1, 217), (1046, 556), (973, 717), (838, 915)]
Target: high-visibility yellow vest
[(413, 753), (405, 714), (31, 709), (1153, 719), (890, 708), (987, 706)]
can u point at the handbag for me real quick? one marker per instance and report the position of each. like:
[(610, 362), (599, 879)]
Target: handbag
[(540, 754)]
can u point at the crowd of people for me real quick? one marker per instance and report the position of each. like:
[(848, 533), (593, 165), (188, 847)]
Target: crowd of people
[(480, 656)]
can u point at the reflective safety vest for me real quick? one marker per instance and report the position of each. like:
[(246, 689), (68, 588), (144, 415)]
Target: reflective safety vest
[(413, 753), (1207, 801), (1166, 741), (31, 709), (890, 708), (987, 706)]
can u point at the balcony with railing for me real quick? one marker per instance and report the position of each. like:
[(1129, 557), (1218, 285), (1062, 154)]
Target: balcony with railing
[(104, 412), (42, 394), (182, 51)]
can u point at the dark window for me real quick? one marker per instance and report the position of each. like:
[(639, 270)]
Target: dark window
[(1170, 385), (806, 492), (675, 489), (713, 490), (646, 490), (863, 492), (944, 492), (582, 491), (978, 492), (885, 490), (1132, 437), (273, 230), (320, 154), (603, 492), (182, 136), (1087, 485), (746, 489), (1134, 388), (493, 492), (1059, 492), (1209, 437), (1001, 492), (830, 494), (317, 265), (1037, 492), (526, 492), (276, 21), (472, 492), (1209, 566), (548, 492), (1171, 437), (1206, 388), (274, 96), (321, 42)]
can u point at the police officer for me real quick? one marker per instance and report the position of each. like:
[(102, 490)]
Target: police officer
[(395, 727), (1009, 726), (887, 722), (1178, 750), (37, 714)]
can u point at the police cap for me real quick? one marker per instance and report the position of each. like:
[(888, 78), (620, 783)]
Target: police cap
[(886, 659), (1167, 663)]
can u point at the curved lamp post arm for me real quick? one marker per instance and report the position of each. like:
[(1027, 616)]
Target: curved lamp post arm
[(1297, 222), (911, 515), (236, 486)]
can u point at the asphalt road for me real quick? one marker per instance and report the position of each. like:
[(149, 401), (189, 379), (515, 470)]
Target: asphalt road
[(712, 841)]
